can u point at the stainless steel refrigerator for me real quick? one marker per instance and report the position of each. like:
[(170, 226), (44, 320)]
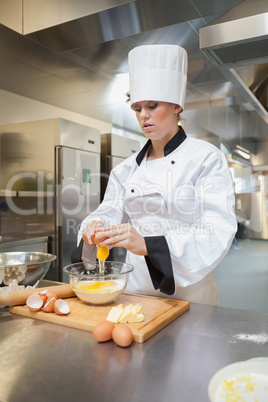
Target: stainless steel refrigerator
[(52, 170), (77, 194)]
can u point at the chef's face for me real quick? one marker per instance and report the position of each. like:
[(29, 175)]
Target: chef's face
[(158, 120)]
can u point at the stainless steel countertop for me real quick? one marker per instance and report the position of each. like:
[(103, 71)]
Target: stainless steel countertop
[(48, 362)]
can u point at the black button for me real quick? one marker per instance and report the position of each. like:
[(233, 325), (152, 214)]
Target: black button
[(132, 190), (173, 162)]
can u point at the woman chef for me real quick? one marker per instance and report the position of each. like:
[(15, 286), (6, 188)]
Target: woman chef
[(171, 204)]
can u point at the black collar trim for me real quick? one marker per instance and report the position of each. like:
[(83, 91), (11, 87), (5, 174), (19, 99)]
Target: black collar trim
[(174, 143)]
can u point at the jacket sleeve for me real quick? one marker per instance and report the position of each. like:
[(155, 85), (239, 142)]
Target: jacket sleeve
[(110, 212), (198, 240), (159, 264)]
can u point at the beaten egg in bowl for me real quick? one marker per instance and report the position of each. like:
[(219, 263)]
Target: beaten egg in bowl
[(99, 292)]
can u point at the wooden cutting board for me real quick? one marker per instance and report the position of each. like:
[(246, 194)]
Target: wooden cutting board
[(158, 312)]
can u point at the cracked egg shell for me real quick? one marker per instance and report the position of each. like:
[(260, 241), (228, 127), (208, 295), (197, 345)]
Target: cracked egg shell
[(61, 307), (34, 302), (43, 295), (49, 305), (51, 294)]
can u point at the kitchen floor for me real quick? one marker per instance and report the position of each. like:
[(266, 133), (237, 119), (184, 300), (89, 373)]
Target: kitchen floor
[(242, 277)]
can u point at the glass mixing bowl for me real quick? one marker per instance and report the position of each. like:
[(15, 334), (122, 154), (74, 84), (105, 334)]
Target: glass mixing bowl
[(94, 288)]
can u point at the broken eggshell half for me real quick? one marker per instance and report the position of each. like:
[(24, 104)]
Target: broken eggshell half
[(34, 302), (61, 307), (49, 305)]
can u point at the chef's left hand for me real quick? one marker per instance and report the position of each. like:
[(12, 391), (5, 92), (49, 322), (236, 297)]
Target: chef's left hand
[(123, 235)]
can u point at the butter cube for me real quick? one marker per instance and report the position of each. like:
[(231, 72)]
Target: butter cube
[(136, 318), (125, 315), (114, 314), (137, 308)]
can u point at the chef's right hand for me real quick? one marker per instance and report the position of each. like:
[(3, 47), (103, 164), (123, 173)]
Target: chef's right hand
[(90, 231)]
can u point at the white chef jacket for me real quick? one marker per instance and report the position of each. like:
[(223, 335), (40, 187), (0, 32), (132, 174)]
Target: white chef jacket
[(183, 205)]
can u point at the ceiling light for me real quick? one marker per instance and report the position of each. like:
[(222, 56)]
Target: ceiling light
[(118, 88), (242, 152)]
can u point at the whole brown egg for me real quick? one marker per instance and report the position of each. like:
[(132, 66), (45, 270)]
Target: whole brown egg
[(103, 331), (122, 335)]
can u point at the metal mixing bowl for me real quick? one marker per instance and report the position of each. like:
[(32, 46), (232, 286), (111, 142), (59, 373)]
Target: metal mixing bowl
[(94, 288), (25, 267)]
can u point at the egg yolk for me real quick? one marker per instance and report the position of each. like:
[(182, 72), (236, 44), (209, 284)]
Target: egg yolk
[(98, 285), (102, 252)]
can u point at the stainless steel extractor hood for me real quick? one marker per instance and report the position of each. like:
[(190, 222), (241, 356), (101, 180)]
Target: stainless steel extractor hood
[(72, 54), (238, 37), (237, 43)]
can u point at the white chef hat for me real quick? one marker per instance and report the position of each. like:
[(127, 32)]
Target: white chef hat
[(158, 72)]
